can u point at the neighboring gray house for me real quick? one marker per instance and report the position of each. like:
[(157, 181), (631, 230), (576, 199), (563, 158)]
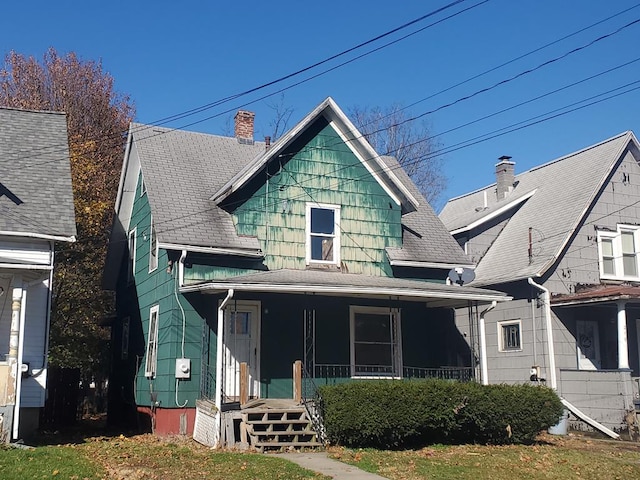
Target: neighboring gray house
[(36, 210), (564, 240)]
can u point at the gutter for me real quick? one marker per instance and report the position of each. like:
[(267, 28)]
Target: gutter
[(549, 328), (212, 250), (484, 371), (341, 290), (57, 238), (219, 358)]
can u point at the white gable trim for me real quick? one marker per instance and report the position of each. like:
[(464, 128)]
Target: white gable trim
[(494, 214), (631, 144), (366, 164), (352, 137)]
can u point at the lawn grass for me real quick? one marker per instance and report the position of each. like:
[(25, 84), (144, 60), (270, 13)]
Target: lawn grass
[(47, 462), (146, 457), (552, 458), (142, 457)]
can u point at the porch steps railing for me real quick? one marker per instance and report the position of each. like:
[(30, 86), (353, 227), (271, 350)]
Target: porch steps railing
[(279, 428)]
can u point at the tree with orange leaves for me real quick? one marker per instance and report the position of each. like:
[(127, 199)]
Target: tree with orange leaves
[(97, 121)]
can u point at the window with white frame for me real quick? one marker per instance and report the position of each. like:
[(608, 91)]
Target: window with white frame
[(376, 349), (323, 234), (151, 358), (131, 266), (510, 336), (153, 248), (618, 253)]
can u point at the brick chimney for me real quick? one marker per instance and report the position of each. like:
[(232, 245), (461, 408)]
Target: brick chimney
[(244, 126), (505, 176)]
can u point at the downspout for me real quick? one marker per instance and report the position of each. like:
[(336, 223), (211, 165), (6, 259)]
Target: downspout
[(483, 343), (219, 358), (549, 327), (23, 316)]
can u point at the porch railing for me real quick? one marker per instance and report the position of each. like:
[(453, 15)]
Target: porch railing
[(327, 374)]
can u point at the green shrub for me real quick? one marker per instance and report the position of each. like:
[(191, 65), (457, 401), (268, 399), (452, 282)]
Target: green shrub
[(394, 414)]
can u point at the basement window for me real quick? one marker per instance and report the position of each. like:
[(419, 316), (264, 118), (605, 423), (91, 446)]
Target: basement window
[(151, 357), (375, 342), (323, 234), (510, 336)]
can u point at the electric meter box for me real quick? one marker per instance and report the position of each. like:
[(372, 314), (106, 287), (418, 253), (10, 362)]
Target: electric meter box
[(183, 367)]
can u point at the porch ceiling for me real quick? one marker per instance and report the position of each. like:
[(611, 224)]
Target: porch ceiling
[(318, 282), (600, 294)]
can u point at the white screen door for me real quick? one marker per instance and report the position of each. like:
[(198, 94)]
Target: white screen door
[(588, 340), (241, 334)]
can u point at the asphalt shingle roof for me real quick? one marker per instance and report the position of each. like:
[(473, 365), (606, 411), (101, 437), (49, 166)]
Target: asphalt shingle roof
[(34, 152), (560, 190), (182, 170)]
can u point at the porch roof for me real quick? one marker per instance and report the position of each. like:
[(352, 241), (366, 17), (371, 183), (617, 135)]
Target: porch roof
[(600, 294), (318, 282)]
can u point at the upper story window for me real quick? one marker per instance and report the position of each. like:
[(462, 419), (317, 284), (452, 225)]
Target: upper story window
[(153, 248), (131, 264), (618, 253), (323, 234)]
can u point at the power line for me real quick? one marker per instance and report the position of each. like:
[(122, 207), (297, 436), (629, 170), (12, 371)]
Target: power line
[(464, 144), (308, 68)]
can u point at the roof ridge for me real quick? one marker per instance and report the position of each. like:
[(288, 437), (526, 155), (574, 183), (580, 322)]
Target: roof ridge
[(149, 126), (33, 110), (578, 152)]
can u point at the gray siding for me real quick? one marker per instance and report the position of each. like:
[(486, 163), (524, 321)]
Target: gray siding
[(617, 203), (602, 395)]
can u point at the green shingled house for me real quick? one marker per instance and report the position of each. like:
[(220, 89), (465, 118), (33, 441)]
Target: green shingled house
[(313, 249)]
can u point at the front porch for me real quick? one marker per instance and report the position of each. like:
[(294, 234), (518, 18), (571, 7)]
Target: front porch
[(342, 327)]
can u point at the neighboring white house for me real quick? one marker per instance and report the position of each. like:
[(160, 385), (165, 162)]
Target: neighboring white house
[(36, 210)]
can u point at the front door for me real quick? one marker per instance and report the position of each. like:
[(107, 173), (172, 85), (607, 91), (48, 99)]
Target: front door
[(241, 334), (588, 340)]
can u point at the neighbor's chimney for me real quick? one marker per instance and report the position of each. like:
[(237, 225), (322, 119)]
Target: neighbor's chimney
[(244, 126), (505, 177), (267, 142)]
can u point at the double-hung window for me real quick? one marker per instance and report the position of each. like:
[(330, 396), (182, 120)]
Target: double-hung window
[(323, 234), (151, 360), (376, 349), (153, 248), (131, 264), (618, 253), (510, 336)]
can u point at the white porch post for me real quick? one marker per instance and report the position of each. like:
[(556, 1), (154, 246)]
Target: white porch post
[(623, 349), (219, 361), (484, 370)]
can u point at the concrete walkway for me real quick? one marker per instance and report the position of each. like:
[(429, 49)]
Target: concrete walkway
[(321, 463)]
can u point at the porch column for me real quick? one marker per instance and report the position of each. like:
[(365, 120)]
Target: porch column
[(14, 341), (623, 349)]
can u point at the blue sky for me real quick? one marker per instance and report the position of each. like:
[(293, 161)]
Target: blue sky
[(171, 57)]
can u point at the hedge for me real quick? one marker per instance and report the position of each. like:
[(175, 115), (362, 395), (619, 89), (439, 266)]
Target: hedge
[(397, 414)]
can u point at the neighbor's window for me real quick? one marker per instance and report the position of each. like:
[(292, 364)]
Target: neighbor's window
[(131, 266), (618, 253), (153, 248), (151, 363), (323, 234), (510, 335), (375, 342)]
